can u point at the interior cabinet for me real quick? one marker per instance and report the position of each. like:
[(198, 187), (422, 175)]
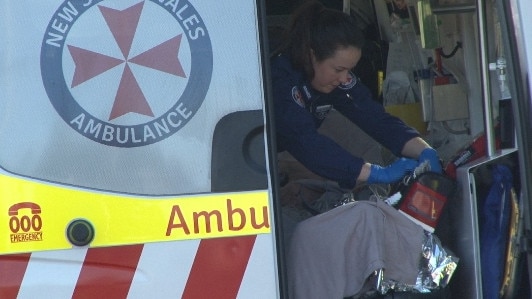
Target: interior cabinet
[(495, 37)]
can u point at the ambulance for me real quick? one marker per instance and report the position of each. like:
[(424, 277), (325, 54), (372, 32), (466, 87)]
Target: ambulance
[(135, 161), (137, 144)]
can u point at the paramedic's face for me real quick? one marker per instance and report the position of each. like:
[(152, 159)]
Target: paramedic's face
[(333, 71)]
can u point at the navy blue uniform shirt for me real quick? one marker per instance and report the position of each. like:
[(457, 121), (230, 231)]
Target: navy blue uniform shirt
[(300, 110)]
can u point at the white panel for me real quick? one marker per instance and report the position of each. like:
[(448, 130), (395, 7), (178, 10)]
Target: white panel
[(163, 270), (52, 274), (43, 145)]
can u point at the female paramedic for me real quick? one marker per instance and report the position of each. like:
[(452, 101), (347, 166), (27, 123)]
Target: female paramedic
[(311, 74), (332, 254)]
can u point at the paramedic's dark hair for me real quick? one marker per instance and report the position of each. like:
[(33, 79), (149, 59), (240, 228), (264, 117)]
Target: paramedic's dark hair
[(323, 30)]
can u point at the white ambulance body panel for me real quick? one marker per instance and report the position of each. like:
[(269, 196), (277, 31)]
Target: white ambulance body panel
[(110, 113), (132, 152)]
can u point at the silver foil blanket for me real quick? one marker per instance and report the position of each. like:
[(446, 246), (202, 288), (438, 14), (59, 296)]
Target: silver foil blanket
[(436, 267)]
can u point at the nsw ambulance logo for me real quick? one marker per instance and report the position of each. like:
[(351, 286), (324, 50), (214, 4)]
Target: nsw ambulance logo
[(126, 73)]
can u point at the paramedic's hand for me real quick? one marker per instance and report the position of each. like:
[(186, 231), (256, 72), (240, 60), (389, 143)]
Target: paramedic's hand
[(391, 173), (430, 155)]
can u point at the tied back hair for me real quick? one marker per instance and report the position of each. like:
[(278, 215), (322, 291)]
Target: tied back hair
[(314, 27)]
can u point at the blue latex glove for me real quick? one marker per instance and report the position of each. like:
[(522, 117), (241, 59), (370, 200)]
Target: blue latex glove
[(392, 173), (430, 154)]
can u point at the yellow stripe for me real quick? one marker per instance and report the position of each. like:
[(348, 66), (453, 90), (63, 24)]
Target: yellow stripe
[(120, 219)]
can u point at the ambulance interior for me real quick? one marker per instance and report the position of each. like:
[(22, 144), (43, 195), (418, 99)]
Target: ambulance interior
[(446, 70)]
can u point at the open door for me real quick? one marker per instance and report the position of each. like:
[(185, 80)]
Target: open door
[(134, 158)]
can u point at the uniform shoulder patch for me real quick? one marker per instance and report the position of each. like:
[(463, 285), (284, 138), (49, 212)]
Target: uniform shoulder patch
[(350, 83), (297, 96)]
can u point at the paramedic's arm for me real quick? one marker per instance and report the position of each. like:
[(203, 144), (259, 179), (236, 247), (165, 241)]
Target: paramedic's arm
[(364, 172), (414, 147), (419, 149), (388, 174)]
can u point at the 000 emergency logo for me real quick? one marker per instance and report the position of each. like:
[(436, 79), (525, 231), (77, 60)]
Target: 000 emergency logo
[(126, 73)]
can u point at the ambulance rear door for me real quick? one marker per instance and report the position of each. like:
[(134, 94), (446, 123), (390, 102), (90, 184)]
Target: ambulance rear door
[(134, 159)]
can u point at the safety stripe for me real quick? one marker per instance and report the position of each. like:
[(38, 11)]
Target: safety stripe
[(57, 270), (108, 272), (163, 270), (12, 269), (208, 268), (219, 268)]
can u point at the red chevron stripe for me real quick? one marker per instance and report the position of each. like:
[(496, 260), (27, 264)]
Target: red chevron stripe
[(12, 269), (108, 272), (219, 267)]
